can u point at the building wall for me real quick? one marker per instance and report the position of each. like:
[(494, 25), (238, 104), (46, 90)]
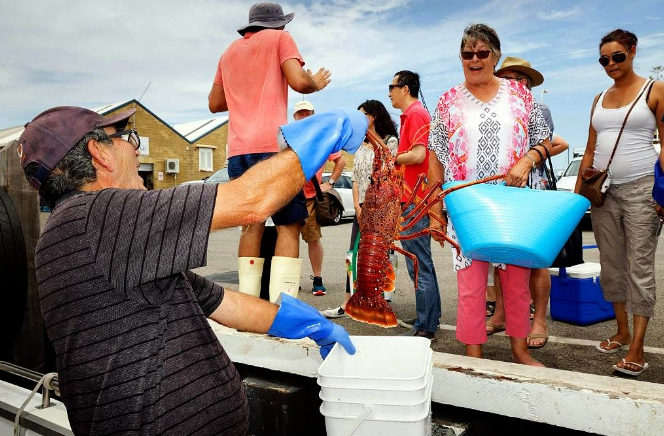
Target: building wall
[(166, 143)]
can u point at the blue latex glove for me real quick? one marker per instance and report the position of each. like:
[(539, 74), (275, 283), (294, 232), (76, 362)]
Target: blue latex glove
[(296, 320), (314, 138)]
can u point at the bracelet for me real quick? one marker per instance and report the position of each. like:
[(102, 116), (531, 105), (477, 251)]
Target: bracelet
[(533, 160)]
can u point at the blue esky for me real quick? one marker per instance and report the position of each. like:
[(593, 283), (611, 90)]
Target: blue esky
[(90, 53)]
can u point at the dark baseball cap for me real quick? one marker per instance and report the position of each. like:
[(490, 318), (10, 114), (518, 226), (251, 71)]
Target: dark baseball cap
[(49, 137)]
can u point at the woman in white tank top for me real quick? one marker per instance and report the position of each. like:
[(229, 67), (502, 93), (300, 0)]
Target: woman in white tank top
[(626, 225)]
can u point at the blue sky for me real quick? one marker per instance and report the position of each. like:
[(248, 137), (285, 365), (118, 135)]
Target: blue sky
[(90, 53)]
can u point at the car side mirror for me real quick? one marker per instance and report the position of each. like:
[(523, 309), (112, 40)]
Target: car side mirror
[(559, 175)]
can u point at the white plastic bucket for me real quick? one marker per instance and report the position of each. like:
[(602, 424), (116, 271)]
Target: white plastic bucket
[(380, 362), (385, 408), (360, 425), (386, 393), (383, 389)]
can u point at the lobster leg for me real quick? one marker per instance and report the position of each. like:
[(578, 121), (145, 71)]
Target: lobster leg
[(413, 191), (410, 256)]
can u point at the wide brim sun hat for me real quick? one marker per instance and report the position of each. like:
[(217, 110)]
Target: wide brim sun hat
[(269, 15)]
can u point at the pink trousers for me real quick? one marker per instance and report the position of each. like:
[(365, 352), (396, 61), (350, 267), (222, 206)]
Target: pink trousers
[(471, 307)]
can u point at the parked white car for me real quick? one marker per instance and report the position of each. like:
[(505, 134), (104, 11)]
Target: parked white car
[(567, 180), (344, 186), (220, 176)]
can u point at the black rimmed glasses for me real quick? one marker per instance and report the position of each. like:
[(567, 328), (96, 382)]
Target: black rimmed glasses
[(131, 136), (512, 77), (617, 57), (391, 87), (468, 55)]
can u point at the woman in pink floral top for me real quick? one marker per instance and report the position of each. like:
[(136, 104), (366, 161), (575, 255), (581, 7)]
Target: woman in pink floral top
[(483, 127)]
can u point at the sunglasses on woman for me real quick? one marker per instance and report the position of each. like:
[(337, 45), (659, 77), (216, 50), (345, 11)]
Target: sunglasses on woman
[(617, 57), (468, 55)]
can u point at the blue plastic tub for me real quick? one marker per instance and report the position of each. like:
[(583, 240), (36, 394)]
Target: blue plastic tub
[(527, 227)]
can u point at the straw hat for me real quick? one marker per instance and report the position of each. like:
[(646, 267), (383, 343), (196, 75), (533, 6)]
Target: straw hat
[(522, 66)]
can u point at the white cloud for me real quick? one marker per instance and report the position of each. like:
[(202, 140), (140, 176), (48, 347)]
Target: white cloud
[(559, 15)]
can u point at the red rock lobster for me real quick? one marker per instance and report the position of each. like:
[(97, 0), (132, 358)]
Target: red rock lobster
[(380, 225)]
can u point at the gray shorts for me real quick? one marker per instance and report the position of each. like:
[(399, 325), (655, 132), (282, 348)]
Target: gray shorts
[(625, 229)]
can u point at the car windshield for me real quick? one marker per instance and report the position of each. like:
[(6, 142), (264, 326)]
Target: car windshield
[(573, 168)]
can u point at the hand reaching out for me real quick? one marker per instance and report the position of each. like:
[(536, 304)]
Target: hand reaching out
[(321, 78)]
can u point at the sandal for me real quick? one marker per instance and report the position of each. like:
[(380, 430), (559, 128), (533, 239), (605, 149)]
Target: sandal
[(610, 349), (629, 371), (492, 328), (490, 308)]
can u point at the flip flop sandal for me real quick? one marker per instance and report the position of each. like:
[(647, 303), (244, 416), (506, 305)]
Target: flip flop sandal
[(620, 346), (630, 372)]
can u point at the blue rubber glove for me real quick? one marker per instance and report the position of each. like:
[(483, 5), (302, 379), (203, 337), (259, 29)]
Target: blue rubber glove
[(314, 138), (658, 186), (296, 320)]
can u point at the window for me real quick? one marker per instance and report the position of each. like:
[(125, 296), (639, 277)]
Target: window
[(205, 162)]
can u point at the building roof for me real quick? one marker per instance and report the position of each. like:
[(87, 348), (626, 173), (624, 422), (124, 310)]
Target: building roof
[(195, 130), (9, 134), (191, 131)]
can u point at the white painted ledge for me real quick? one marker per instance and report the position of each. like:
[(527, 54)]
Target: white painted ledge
[(53, 418), (585, 402)]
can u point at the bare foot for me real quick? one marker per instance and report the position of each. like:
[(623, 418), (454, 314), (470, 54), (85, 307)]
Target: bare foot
[(528, 360)]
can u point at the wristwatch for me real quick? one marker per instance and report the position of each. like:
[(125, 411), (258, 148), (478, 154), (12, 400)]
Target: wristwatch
[(330, 181)]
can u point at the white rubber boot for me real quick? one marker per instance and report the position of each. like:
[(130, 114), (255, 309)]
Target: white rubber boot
[(285, 276), (250, 272)]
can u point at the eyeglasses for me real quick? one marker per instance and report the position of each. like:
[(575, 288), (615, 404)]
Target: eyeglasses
[(512, 78), (131, 136), (468, 55), (391, 87), (617, 57)]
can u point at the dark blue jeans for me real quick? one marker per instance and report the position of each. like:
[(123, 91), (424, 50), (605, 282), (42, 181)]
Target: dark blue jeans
[(427, 295)]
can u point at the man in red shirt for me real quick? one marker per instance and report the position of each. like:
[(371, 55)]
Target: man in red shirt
[(311, 233), (413, 159), (251, 83)]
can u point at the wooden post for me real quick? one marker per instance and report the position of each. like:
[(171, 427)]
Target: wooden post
[(29, 349)]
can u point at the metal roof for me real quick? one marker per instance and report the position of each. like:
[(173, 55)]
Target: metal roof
[(191, 131), (195, 130)]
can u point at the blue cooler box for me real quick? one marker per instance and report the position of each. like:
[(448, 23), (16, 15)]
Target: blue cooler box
[(576, 295)]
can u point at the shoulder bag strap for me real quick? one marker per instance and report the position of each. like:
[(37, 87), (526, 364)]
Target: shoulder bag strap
[(319, 193), (623, 125)]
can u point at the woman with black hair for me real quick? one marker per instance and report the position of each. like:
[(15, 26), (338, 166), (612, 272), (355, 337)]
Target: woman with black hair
[(625, 226)]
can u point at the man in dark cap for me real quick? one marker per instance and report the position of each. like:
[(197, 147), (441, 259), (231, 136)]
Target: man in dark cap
[(127, 317), (251, 83)]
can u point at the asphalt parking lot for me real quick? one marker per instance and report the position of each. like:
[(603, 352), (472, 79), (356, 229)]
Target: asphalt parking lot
[(570, 347)]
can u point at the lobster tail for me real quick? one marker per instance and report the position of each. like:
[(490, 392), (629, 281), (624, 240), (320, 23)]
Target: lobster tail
[(371, 310)]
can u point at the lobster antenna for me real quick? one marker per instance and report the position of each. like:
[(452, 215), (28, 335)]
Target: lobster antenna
[(423, 102)]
